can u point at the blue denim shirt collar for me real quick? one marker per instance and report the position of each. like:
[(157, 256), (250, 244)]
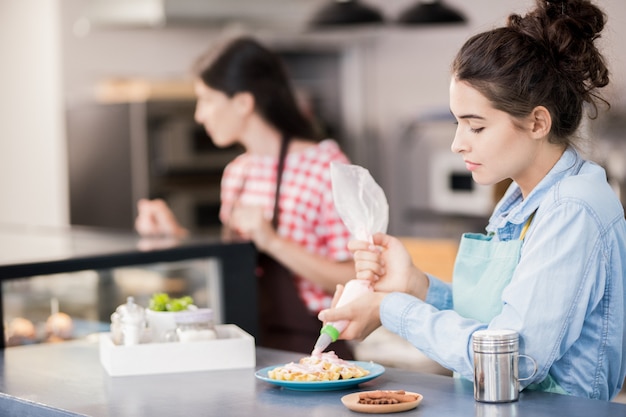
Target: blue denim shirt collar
[(512, 211)]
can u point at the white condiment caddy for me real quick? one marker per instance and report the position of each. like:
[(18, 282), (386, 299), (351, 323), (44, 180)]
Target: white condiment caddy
[(233, 349)]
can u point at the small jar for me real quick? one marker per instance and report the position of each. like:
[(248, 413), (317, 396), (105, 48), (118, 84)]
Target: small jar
[(195, 325), (128, 321)]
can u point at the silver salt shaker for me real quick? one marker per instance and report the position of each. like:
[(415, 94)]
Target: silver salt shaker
[(496, 354)]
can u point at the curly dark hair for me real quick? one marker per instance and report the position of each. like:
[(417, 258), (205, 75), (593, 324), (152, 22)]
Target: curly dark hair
[(546, 58)]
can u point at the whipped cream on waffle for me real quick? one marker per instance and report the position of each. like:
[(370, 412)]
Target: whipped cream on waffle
[(326, 366)]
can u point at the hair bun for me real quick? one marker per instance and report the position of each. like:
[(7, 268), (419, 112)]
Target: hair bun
[(545, 57), (581, 17), (566, 31)]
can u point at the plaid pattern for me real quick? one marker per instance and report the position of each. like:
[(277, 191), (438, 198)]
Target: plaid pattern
[(307, 213)]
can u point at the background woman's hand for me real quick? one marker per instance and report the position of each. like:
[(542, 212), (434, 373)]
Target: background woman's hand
[(388, 265), (250, 223), (154, 218)]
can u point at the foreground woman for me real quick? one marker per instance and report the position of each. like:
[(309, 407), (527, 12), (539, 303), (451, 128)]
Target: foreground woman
[(552, 265)]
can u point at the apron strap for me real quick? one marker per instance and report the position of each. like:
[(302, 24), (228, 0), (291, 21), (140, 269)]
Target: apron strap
[(526, 226), (286, 322), (284, 145)]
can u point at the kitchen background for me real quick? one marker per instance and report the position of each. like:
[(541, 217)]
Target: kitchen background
[(96, 110), (382, 91)]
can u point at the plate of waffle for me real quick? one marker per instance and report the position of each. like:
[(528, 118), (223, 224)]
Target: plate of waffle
[(382, 401), (325, 372)]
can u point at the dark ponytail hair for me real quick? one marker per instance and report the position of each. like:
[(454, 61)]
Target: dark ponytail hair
[(244, 65), (545, 58)]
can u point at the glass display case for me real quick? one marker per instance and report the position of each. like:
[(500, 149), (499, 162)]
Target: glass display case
[(74, 305), (64, 283)]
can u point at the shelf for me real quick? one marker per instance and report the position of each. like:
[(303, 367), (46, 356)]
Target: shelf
[(141, 90)]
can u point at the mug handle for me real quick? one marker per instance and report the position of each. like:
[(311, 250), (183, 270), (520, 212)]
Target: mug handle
[(534, 367)]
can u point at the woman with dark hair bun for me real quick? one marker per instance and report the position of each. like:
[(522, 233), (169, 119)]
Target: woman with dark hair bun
[(277, 193), (552, 265)]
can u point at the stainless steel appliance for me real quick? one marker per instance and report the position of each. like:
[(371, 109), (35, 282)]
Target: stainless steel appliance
[(129, 148), (435, 195), (185, 168)]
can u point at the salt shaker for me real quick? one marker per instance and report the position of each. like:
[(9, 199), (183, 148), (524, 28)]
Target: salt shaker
[(496, 354), (132, 321)]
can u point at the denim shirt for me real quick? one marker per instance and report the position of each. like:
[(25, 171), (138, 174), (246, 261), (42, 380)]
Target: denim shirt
[(566, 297)]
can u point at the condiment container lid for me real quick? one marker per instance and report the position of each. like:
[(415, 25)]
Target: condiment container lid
[(130, 311), (495, 341), (200, 315)]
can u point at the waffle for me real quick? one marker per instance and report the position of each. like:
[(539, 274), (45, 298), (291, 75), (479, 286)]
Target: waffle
[(326, 366)]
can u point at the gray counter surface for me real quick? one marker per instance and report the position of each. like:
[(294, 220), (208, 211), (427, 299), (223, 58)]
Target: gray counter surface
[(67, 379)]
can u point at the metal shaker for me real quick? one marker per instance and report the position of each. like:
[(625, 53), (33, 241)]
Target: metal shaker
[(496, 354)]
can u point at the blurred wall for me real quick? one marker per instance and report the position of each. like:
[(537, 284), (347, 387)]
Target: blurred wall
[(33, 177), (407, 73)]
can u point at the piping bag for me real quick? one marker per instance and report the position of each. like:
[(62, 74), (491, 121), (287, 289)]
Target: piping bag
[(362, 205)]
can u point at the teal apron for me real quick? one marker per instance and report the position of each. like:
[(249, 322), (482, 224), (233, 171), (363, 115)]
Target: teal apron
[(482, 270)]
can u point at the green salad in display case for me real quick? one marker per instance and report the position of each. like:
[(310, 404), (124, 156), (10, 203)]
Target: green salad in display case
[(163, 302)]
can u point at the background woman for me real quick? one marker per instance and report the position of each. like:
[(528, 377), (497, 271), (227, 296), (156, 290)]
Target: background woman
[(277, 193)]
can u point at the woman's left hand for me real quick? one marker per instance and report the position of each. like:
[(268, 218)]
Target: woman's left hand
[(250, 223), (388, 265)]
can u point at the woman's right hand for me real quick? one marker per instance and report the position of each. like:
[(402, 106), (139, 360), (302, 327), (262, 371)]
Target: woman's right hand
[(362, 314), (154, 218), (388, 265)]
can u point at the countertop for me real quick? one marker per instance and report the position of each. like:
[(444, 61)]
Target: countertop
[(34, 250), (67, 379)]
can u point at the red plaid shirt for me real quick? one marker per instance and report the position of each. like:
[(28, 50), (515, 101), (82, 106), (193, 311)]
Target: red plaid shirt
[(307, 212)]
